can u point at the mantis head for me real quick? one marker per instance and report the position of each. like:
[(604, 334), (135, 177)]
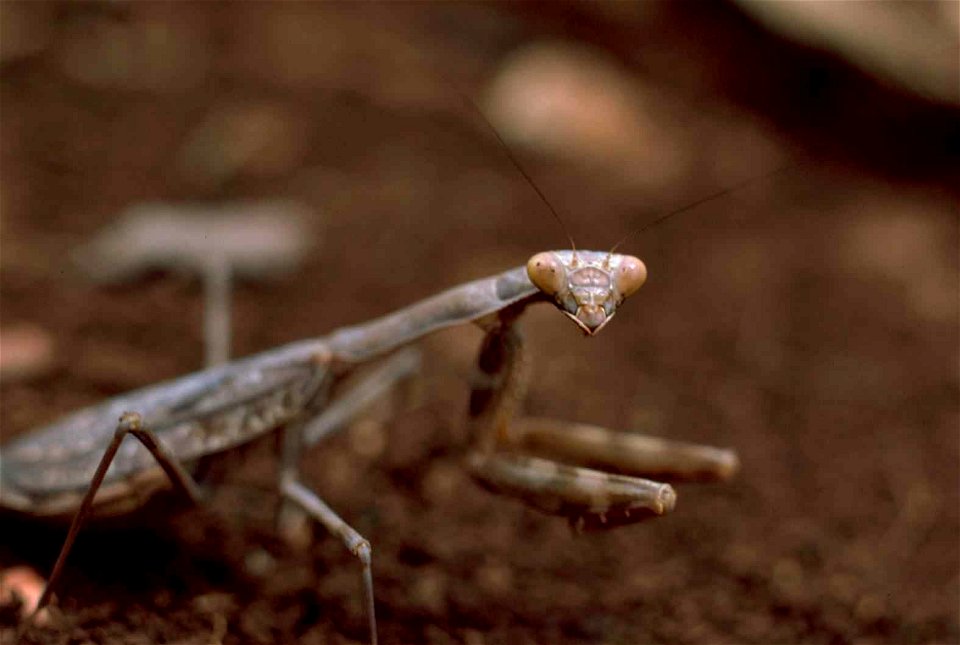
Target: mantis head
[(587, 286)]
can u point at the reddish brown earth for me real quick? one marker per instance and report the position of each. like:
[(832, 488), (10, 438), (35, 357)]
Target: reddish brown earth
[(808, 319)]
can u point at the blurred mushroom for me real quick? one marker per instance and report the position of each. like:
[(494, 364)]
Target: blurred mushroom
[(258, 139), (255, 240)]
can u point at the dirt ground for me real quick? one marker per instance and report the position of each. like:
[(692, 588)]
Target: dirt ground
[(807, 318)]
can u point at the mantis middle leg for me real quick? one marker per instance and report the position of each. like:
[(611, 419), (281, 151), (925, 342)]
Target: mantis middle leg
[(298, 498)]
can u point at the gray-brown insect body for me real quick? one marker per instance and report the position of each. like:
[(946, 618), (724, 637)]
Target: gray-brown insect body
[(48, 471)]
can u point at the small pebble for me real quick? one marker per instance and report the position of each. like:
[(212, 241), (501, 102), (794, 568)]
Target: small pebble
[(259, 563), (26, 351), (23, 584)]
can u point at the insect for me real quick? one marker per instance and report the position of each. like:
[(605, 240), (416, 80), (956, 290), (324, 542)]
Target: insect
[(591, 476)]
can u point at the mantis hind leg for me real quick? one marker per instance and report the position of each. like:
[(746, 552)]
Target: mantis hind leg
[(130, 423)]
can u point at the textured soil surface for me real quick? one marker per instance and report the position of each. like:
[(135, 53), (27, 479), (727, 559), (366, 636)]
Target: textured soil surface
[(807, 318)]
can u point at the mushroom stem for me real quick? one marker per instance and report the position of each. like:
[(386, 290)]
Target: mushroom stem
[(217, 286)]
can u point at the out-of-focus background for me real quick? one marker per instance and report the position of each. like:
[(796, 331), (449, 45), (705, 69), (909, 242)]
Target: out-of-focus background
[(807, 317)]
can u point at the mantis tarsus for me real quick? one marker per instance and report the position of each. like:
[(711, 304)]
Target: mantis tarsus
[(589, 475)]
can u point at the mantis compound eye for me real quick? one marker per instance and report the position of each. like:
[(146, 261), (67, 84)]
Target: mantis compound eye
[(630, 275), (547, 273)]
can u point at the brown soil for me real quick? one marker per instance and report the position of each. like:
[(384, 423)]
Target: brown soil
[(808, 319)]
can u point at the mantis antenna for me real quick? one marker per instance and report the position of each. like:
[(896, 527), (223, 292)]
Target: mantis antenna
[(516, 163), (720, 193)]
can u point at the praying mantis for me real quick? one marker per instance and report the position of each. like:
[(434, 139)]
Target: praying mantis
[(593, 477)]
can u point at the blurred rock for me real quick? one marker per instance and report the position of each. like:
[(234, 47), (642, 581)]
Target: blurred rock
[(24, 29), (441, 481), (335, 46), (300, 46), (257, 239), (259, 563), (24, 586), (788, 581), (495, 577), (912, 44), (368, 438), (260, 139), (893, 240), (429, 590), (870, 607), (570, 100), (158, 52), (26, 351)]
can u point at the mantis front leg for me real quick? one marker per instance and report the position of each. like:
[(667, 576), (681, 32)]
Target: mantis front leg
[(508, 457)]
